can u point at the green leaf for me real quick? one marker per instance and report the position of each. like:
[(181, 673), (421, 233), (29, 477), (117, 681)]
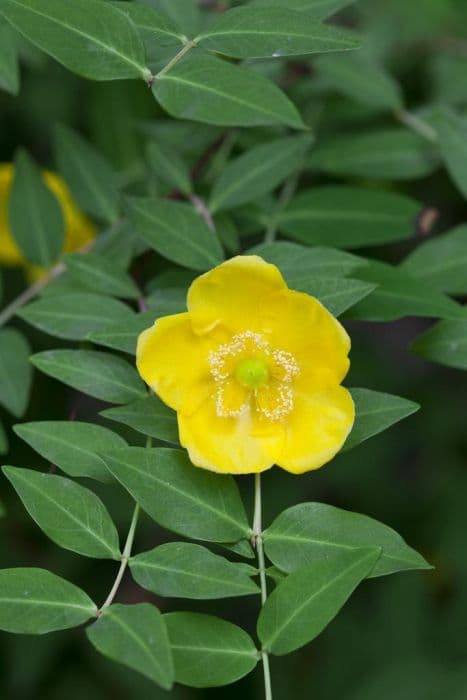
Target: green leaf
[(309, 533), (180, 497), (441, 261), (388, 154), (73, 446), (307, 600), (91, 179), (9, 61), (446, 343), (167, 300), (185, 570), (100, 275), (349, 217), (399, 295), (318, 9), (175, 231), (361, 80), (452, 135), (98, 374), (209, 652), (257, 171), (169, 167), (152, 24), (35, 601), (73, 316), (208, 89), (34, 214), (376, 411), (89, 37), (15, 371), (136, 636), (300, 264), (338, 294), (185, 13), (123, 335), (70, 515), (148, 416), (249, 32)]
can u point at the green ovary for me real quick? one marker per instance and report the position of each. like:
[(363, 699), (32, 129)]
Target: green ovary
[(252, 373)]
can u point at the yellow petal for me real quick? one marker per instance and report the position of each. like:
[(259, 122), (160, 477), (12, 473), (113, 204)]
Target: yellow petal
[(229, 445), (316, 429), (231, 294), (79, 230), (9, 251), (173, 361), (301, 325)]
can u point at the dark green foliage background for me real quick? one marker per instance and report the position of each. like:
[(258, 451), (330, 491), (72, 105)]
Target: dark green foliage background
[(400, 636)]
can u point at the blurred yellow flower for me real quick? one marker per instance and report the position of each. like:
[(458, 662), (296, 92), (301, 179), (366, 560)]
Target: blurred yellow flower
[(79, 230), (253, 370)]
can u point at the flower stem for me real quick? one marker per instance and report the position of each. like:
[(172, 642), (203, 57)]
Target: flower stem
[(417, 125), (201, 207), (258, 540), (187, 47), (284, 198), (124, 562)]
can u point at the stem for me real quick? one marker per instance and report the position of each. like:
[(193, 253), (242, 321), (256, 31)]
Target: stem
[(284, 198), (258, 540), (418, 125), (124, 562), (188, 46), (202, 208)]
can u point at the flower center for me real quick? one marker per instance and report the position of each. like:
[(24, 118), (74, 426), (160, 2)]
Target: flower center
[(252, 372), (251, 375)]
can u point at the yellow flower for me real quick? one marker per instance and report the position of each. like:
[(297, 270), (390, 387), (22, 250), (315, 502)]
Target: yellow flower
[(253, 370), (79, 230)]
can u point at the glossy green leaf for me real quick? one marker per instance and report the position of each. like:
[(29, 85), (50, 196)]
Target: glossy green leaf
[(167, 300), (349, 217), (311, 532), (387, 154), (452, 134), (91, 179), (34, 214), (361, 80), (376, 411), (123, 335), (9, 60), (190, 501), (98, 274), (208, 89), (318, 9), (98, 374), (73, 316), (169, 167), (249, 32), (176, 231), (148, 416), (301, 265), (35, 601), (152, 24), (306, 601), (257, 171), (398, 295), (89, 37), (185, 13), (209, 652), (73, 446), (446, 343), (15, 371), (136, 636), (69, 514), (441, 261), (185, 570), (337, 294)]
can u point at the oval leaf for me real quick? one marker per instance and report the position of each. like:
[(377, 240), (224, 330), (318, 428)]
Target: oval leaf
[(15, 371), (445, 343), (310, 532), (69, 514), (179, 496), (184, 570), (208, 651), (148, 416), (35, 601)]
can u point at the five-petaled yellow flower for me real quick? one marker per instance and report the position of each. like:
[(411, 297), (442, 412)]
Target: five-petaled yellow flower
[(253, 370), (79, 230)]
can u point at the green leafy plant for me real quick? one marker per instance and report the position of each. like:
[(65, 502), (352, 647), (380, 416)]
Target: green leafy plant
[(244, 153)]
